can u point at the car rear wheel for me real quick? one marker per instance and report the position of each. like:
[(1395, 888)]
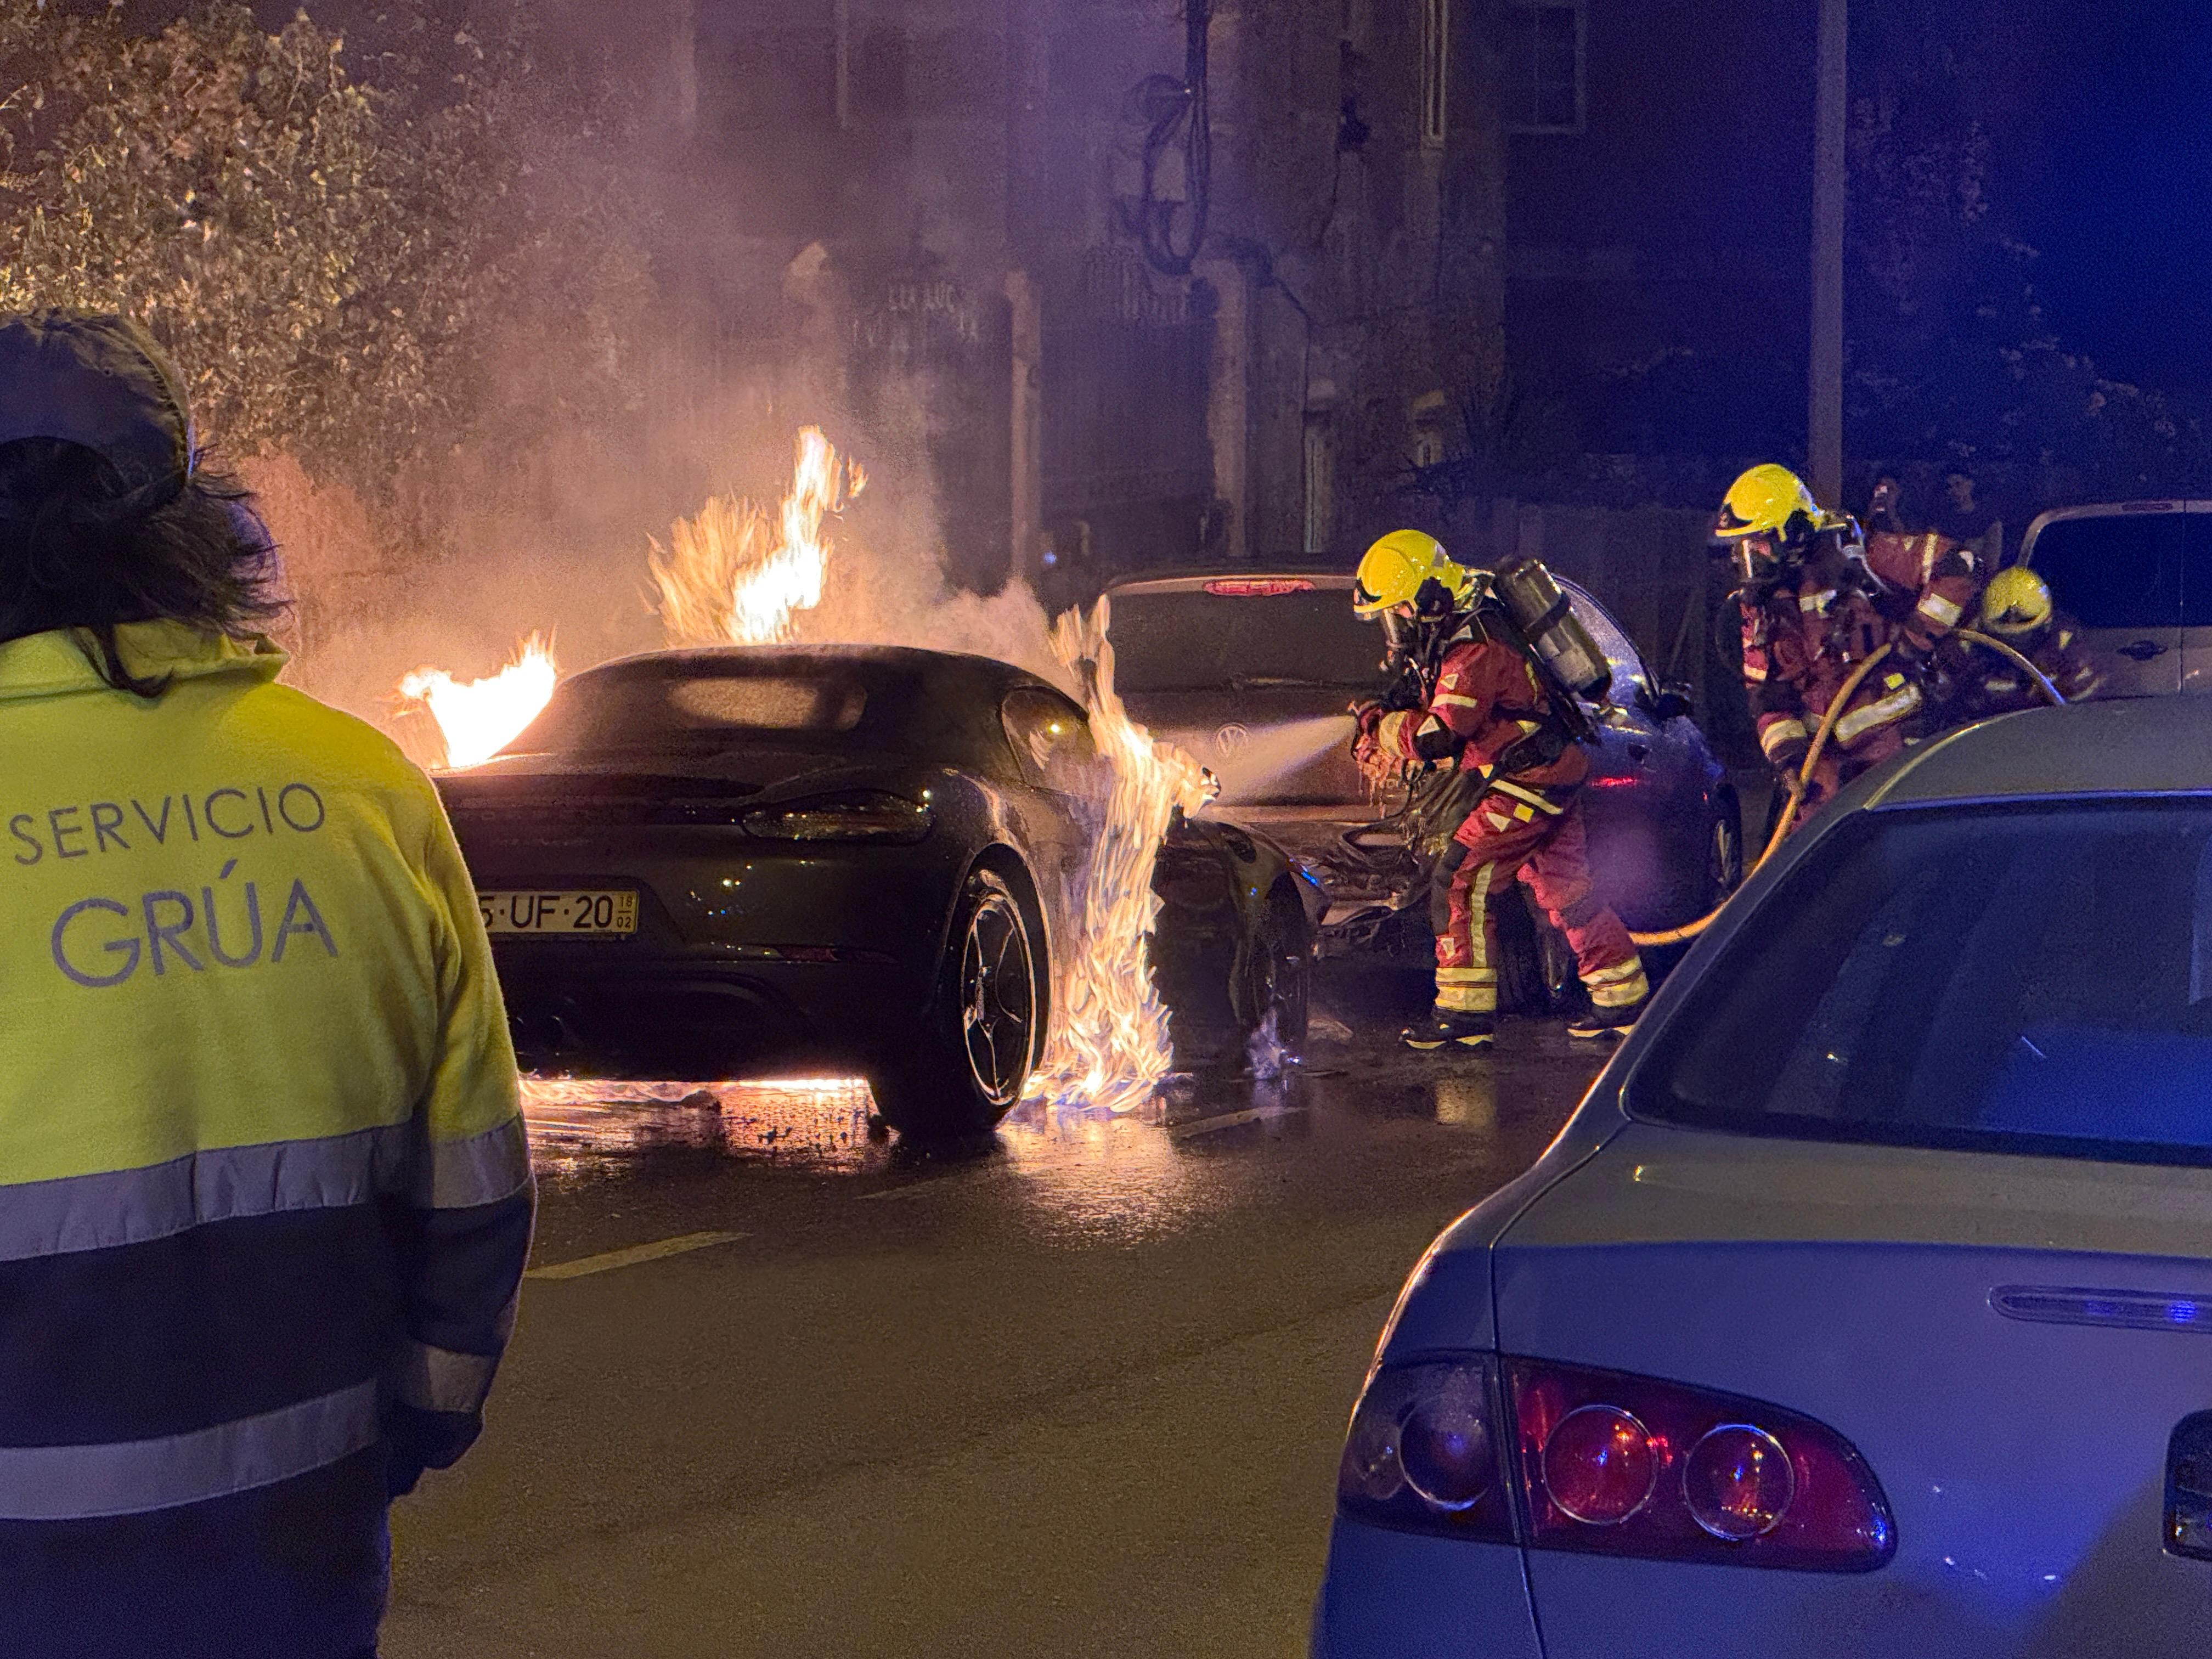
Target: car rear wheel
[(980, 1038), (1724, 854)]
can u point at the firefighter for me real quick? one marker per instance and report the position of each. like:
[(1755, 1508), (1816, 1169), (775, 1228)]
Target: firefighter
[(265, 1195), (1489, 716), (1817, 599), (2016, 608)]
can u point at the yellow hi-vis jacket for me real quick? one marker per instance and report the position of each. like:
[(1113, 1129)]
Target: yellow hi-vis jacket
[(265, 1195)]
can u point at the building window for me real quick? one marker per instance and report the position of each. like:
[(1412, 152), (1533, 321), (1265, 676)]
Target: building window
[(1436, 71), (1321, 484), (1546, 46)]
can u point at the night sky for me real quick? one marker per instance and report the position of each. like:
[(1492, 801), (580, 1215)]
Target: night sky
[(2115, 188)]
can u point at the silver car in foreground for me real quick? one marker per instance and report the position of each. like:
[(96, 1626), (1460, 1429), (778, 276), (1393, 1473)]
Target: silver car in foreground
[(1865, 1305)]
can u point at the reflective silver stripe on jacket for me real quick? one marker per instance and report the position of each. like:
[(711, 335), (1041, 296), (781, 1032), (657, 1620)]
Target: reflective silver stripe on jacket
[(1860, 721), (85, 1483), (116, 1208), (441, 1380), (135, 1207), (482, 1169)]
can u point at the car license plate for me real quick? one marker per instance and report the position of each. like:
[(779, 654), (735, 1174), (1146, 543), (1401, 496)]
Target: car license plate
[(577, 915)]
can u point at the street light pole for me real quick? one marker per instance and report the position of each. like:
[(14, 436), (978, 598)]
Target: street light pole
[(1831, 186)]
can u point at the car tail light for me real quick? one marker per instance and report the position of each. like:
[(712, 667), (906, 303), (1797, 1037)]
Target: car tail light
[(1258, 587), (1599, 1465), (1612, 1464), (852, 818), (1425, 1452)]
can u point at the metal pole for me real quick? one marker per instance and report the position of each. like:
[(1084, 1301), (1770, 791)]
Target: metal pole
[(1831, 185)]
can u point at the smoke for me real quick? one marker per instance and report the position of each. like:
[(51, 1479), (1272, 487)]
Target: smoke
[(559, 546), (713, 329)]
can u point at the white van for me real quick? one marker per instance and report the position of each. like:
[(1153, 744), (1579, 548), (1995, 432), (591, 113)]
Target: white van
[(2137, 575)]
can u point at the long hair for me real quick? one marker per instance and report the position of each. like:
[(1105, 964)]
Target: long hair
[(80, 550)]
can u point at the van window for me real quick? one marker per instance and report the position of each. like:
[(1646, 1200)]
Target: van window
[(2002, 978), (2196, 572), (2119, 571)]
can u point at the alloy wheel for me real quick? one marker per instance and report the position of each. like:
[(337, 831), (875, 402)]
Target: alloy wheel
[(998, 1000)]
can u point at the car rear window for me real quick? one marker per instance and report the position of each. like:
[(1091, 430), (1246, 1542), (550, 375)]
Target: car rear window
[(2036, 980), (2117, 570), (1198, 641), (655, 709)]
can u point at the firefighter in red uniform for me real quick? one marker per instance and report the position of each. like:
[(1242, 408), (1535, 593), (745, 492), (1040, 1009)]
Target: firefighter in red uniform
[(2016, 608), (1818, 600), (1489, 713)]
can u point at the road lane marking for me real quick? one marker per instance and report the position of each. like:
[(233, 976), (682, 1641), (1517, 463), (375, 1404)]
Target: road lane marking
[(658, 1251), (1207, 1126)]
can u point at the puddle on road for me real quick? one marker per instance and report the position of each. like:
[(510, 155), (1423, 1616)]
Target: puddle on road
[(821, 1123), (1092, 1171)]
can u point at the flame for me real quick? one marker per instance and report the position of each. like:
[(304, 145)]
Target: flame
[(738, 575), (735, 575), (481, 717), (1110, 1045)]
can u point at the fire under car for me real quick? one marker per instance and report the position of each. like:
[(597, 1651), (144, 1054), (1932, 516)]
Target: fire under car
[(1252, 672), (727, 862)]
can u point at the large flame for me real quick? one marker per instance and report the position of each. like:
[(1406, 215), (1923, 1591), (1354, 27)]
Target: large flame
[(737, 575), (1110, 1044), (479, 718)]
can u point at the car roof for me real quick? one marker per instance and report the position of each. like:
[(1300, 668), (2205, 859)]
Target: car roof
[(893, 658), (2135, 746)]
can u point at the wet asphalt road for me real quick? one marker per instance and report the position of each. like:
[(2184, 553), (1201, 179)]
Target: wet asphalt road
[(1076, 1392)]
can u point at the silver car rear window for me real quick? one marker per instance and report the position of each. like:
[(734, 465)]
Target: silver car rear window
[(1196, 642), (2024, 980)]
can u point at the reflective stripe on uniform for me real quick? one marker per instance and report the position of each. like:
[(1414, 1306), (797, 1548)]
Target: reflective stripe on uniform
[(1618, 987), (1451, 700), (1504, 787), (1860, 721), (440, 1380), (1773, 737), (1938, 609), (84, 1482), (485, 1169), (1472, 989), (116, 1207)]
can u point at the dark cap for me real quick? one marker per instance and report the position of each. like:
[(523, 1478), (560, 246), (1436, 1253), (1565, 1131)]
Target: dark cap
[(100, 381)]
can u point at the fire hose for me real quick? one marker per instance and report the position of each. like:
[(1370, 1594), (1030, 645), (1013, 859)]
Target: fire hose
[(1786, 819)]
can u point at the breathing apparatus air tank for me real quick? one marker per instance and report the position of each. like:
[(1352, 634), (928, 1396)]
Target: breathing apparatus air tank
[(1546, 620)]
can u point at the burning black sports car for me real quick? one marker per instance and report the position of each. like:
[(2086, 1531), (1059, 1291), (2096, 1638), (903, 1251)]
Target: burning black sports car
[(703, 863)]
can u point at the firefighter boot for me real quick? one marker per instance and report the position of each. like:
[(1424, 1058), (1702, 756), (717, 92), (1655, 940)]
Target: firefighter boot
[(1594, 1022), (1449, 1029)]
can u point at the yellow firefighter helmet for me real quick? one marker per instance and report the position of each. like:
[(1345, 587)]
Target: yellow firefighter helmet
[(2016, 602), (1397, 568), (1765, 501)]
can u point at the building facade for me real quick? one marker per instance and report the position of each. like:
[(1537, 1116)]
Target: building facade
[(1138, 283)]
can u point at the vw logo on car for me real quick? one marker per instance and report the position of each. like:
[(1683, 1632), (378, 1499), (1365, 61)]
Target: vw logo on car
[(1232, 739)]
